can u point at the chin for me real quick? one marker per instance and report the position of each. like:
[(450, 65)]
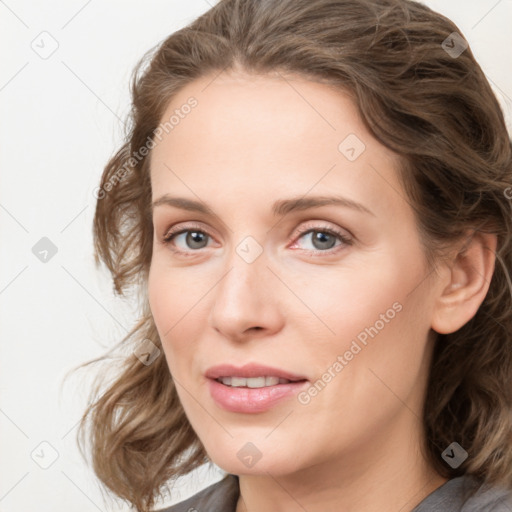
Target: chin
[(247, 461)]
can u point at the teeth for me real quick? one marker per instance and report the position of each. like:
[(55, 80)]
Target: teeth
[(252, 382)]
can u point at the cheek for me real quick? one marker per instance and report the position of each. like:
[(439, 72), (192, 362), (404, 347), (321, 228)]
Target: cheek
[(382, 339), (170, 294), (378, 317), (359, 298), (166, 306), (177, 311), (159, 300)]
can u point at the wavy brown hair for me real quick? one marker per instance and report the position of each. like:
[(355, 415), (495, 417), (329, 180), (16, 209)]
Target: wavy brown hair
[(434, 109)]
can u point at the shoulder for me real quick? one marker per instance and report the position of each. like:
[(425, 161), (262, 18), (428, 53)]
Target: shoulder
[(467, 494), (489, 499), (221, 496)]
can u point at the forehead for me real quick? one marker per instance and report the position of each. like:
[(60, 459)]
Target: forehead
[(270, 135), (231, 107)]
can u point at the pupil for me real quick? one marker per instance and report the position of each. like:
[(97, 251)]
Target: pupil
[(192, 238), (320, 237)]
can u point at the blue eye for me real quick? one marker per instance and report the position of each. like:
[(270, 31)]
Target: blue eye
[(322, 239), (194, 239)]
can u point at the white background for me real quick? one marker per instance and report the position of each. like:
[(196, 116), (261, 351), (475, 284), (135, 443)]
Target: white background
[(61, 119)]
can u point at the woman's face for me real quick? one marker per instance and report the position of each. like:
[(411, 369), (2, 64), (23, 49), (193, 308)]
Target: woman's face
[(270, 272)]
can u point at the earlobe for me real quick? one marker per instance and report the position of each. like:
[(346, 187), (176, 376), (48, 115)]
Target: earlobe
[(467, 283)]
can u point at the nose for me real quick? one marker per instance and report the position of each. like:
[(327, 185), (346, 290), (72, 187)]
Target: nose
[(246, 300)]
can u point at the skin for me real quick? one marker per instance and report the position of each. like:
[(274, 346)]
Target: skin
[(250, 141)]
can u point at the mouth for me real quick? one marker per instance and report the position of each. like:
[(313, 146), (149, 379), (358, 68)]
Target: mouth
[(251, 375), (252, 388), (255, 382)]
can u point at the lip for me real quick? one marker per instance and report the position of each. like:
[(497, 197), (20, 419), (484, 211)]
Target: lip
[(250, 370), (252, 400)]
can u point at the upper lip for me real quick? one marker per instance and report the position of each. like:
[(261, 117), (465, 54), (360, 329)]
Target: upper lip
[(250, 370)]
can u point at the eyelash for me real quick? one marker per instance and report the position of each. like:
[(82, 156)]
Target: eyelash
[(346, 241)]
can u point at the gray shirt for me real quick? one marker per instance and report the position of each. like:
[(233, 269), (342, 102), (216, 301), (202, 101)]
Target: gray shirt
[(452, 496)]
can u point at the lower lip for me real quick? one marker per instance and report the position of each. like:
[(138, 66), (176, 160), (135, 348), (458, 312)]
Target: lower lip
[(252, 400)]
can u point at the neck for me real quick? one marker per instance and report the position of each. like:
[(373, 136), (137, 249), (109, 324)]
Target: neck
[(384, 473)]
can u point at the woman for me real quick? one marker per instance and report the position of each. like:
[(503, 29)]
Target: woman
[(312, 201)]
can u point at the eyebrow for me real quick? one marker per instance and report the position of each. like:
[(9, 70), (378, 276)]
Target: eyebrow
[(279, 208)]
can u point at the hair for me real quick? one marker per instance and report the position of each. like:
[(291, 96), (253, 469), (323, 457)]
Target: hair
[(436, 111)]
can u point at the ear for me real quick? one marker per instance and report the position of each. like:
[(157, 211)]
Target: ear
[(466, 283)]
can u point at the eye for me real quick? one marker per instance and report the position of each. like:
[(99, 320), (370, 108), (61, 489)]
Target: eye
[(192, 237), (323, 239)]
